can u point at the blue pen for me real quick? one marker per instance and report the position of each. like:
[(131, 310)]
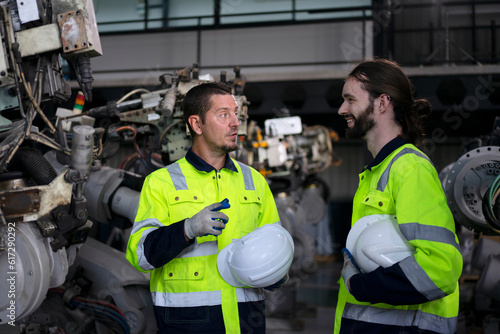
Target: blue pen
[(224, 205)]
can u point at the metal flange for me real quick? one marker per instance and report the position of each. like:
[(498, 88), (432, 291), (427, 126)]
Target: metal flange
[(466, 183)]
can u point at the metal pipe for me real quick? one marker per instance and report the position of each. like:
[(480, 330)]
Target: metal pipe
[(82, 144)]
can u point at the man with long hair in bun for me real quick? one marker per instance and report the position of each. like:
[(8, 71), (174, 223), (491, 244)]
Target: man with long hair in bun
[(419, 293)]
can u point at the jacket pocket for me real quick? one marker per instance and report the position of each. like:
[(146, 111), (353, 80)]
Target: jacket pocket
[(185, 269), (184, 197), (378, 201), (190, 202), (249, 197), (250, 204)]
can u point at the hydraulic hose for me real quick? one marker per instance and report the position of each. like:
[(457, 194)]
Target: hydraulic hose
[(33, 163)]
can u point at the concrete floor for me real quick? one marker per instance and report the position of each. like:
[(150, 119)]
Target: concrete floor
[(314, 300), (310, 306)]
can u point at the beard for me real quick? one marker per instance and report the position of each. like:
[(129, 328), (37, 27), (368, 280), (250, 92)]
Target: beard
[(362, 124), (227, 148), (233, 146)]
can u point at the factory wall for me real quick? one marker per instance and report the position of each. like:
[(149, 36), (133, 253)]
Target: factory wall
[(264, 53)]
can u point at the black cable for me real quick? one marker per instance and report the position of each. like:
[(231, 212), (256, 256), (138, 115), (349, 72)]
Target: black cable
[(107, 312)]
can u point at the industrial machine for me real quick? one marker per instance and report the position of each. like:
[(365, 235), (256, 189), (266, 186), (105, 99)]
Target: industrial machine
[(290, 155), (472, 187), (49, 282)]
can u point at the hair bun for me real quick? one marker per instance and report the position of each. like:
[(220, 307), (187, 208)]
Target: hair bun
[(422, 107)]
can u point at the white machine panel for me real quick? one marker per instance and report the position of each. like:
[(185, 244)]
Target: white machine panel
[(283, 126)]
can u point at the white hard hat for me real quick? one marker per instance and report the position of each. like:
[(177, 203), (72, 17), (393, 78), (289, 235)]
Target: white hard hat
[(376, 241), (259, 259)]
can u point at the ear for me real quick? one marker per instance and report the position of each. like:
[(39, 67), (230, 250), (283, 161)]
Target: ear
[(195, 123), (384, 102)]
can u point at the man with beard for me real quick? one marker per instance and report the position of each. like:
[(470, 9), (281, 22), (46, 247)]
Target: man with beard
[(184, 220), (419, 293)]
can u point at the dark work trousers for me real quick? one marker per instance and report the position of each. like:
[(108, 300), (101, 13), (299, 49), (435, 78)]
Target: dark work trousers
[(208, 319)]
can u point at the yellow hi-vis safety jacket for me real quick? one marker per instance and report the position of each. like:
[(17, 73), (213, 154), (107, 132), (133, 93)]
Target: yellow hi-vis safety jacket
[(179, 191), (421, 291)]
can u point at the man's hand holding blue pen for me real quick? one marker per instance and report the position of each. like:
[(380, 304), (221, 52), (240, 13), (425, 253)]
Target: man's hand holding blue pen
[(209, 221)]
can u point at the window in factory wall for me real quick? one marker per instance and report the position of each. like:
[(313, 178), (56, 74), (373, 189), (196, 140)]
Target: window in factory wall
[(320, 10), (249, 11), (139, 15), (119, 15), (182, 13)]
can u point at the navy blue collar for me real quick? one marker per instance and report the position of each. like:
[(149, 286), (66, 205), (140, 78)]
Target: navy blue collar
[(386, 150), (203, 166)]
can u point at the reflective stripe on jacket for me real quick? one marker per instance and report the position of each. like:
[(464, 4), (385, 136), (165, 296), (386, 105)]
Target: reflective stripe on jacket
[(406, 184), (179, 191)]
